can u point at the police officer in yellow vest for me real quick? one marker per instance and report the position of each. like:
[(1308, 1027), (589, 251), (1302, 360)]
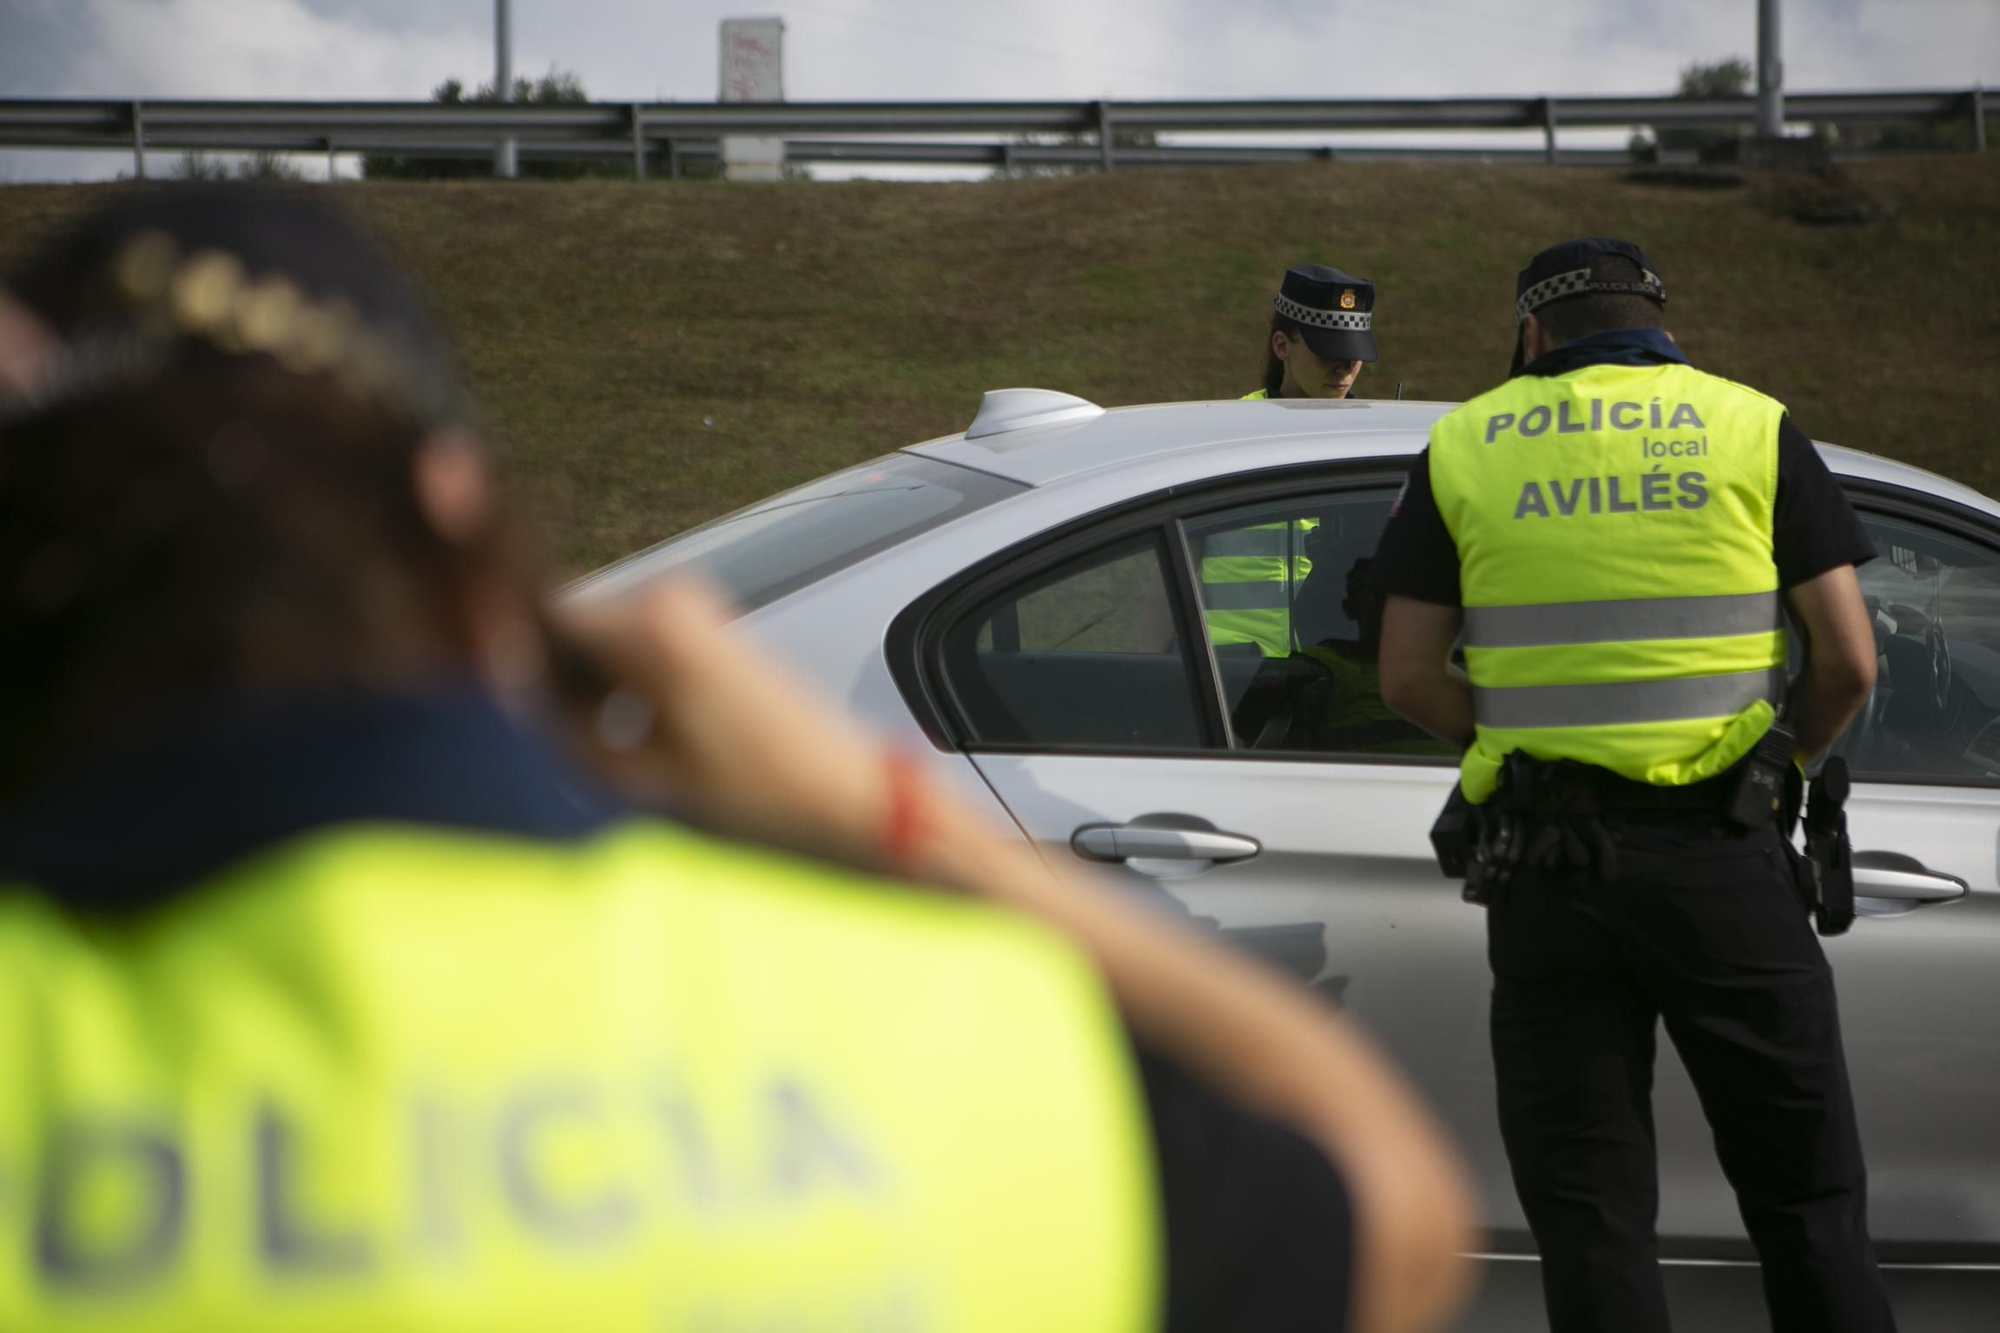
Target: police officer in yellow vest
[(332, 996), (1616, 536), (1321, 330)]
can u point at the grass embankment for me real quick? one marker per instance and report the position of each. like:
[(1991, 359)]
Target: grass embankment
[(652, 355)]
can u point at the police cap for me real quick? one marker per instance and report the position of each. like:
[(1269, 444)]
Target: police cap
[(1335, 313), (1563, 271)]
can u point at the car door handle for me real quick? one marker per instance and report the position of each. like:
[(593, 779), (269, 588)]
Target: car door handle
[(1116, 842), (1903, 879)]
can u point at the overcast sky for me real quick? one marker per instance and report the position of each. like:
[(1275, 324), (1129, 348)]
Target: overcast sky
[(647, 50)]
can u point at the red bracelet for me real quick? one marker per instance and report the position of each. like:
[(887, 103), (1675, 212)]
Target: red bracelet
[(903, 822)]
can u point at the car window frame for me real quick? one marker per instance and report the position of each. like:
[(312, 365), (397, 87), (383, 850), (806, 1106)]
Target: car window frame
[(1869, 495), (915, 637), (1164, 540)]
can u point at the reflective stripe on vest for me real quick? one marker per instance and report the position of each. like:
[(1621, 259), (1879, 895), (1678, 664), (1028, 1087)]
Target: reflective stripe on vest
[(1611, 703), (398, 1078), (1621, 602), (1631, 618)]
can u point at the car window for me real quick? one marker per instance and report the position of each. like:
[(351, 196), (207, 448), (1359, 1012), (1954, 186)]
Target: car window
[(1934, 715), (782, 544), (1083, 655), (1287, 605)]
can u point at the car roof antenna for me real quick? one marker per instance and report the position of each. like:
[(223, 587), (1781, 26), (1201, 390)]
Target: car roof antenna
[(1399, 391)]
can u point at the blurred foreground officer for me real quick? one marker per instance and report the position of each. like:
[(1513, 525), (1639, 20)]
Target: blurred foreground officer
[(331, 998), (1617, 535)]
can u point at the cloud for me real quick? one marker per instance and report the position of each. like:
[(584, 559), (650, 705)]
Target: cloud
[(858, 49), (260, 48)]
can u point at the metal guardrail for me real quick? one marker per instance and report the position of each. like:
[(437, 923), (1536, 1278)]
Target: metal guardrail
[(669, 131)]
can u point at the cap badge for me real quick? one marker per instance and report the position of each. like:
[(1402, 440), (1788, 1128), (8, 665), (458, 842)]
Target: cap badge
[(1347, 298)]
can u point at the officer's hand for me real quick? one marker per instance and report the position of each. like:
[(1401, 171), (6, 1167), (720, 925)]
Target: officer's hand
[(697, 720)]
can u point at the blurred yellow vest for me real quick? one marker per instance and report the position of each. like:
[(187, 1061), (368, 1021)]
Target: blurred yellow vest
[(1614, 530), (387, 1078)]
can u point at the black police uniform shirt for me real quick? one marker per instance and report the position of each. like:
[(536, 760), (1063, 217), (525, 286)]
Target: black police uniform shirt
[(1258, 1225), (1814, 529)]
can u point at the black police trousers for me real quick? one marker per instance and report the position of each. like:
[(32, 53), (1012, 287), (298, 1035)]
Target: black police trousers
[(1702, 928)]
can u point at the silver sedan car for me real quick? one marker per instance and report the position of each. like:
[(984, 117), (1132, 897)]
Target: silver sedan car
[(1029, 599)]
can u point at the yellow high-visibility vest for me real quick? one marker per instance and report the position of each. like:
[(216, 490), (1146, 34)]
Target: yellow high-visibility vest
[(1614, 530), (1249, 577), (391, 1078)]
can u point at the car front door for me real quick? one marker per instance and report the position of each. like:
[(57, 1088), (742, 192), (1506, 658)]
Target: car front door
[(1919, 992), (1919, 986)]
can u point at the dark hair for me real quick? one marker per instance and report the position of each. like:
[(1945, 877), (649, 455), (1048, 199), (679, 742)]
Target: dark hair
[(1274, 366), (230, 529), (1575, 317), (212, 493)]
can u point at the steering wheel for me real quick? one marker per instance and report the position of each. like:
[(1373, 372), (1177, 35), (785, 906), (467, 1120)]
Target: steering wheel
[(1940, 656)]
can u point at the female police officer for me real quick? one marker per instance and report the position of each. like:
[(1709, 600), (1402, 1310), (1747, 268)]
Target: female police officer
[(332, 998), (1322, 329)]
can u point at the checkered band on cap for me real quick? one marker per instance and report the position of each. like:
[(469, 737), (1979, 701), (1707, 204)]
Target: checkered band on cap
[(1357, 320), (1577, 281)]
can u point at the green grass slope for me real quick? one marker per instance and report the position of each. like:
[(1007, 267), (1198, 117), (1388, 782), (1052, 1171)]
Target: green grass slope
[(649, 356)]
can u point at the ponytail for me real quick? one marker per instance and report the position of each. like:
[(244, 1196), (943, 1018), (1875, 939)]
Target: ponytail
[(1274, 365)]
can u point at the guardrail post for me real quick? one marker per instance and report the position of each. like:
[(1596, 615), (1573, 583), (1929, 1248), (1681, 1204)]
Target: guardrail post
[(1979, 117), (638, 143), (1104, 154), (332, 172), (673, 160), (138, 141), (1549, 128)]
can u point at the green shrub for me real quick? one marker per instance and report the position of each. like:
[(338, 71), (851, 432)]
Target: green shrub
[(557, 87)]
